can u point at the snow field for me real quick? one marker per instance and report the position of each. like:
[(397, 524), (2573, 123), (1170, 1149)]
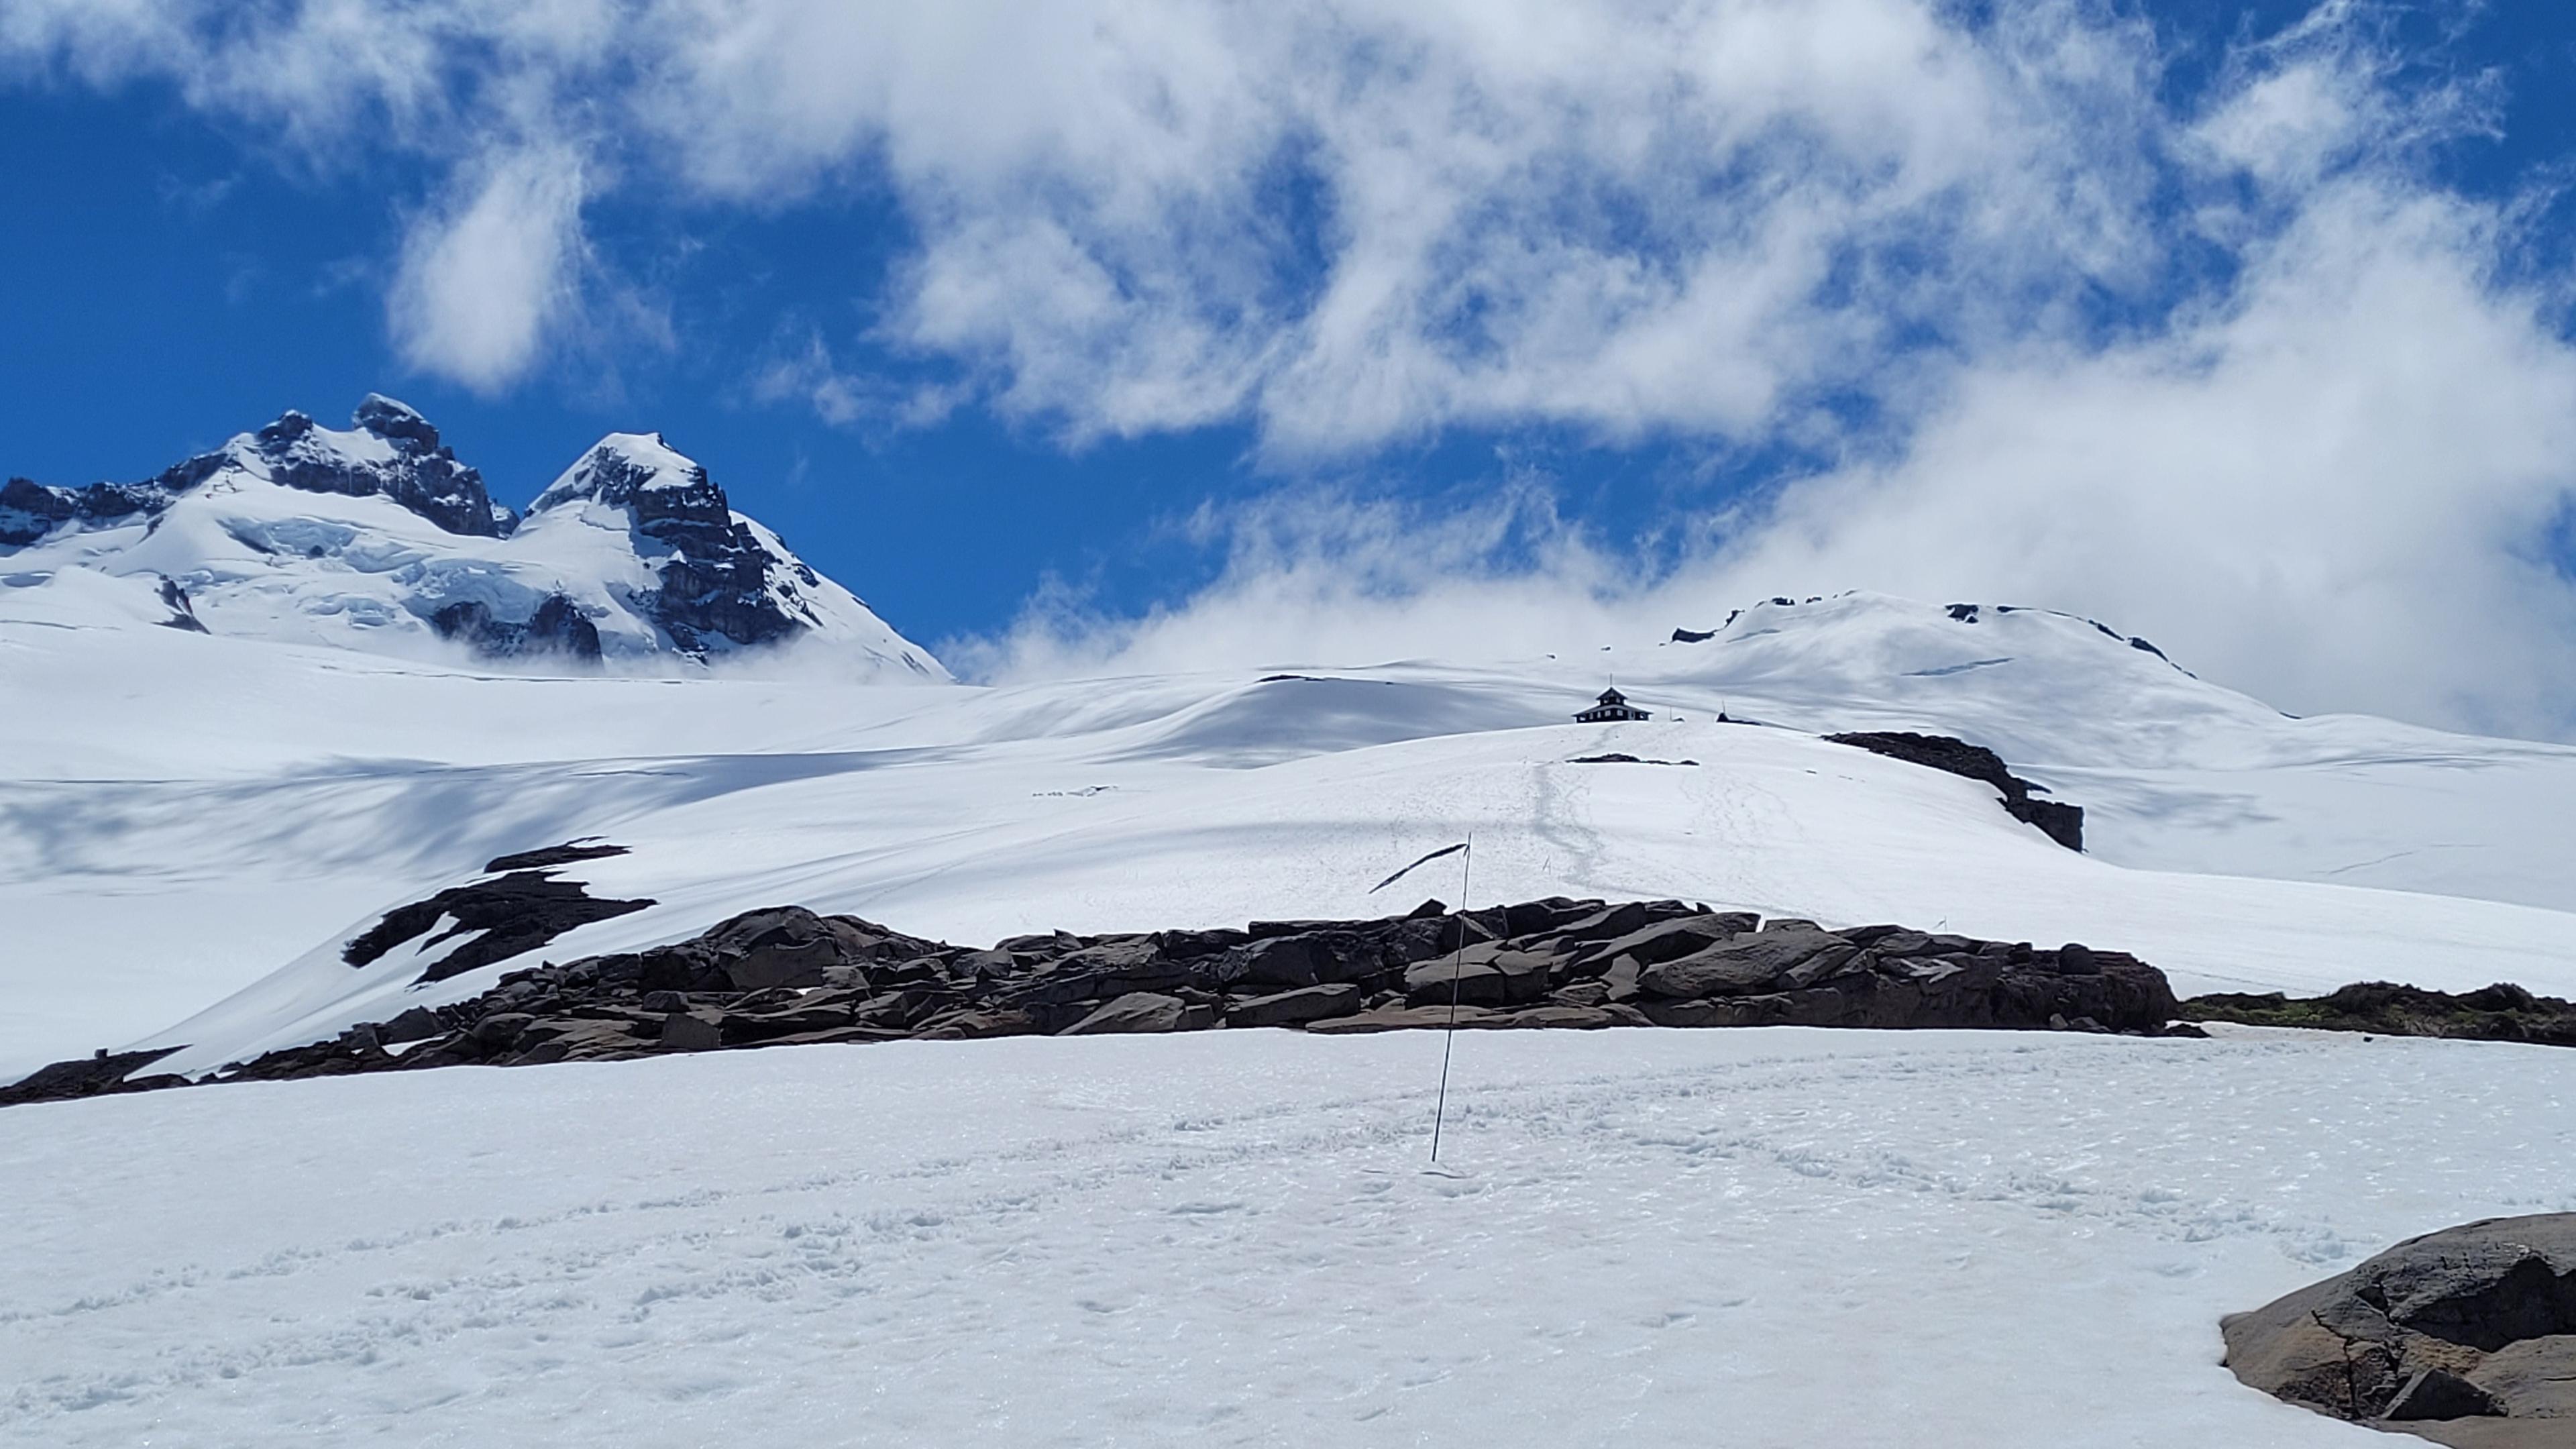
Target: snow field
[(182, 816), (1755, 1238), (1769, 820)]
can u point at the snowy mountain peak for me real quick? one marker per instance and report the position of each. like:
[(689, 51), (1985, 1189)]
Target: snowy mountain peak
[(722, 581), (378, 538), (2034, 684), (623, 466)]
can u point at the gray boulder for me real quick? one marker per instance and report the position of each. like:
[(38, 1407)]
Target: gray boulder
[(1612, 922), (688, 1032), (787, 946), (497, 1031), (1296, 1008), (1481, 978), (418, 1023), (1288, 961), (1747, 964), (1669, 940), (1143, 1011), (2466, 1337)]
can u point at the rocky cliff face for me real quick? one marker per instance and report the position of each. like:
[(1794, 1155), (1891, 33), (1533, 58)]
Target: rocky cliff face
[(717, 585), (416, 470), (393, 453)]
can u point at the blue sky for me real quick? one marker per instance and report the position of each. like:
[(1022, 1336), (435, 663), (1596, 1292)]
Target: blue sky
[(1157, 330)]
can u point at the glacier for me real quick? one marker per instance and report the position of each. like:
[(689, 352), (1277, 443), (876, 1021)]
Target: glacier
[(376, 538)]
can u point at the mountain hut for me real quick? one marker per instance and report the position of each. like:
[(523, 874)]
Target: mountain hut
[(1612, 709)]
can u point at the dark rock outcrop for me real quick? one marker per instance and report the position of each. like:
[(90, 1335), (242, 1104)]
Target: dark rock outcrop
[(2502, 1012), (2058, 821), (421, 474), (183, 615), (2466, 1337), (717, 586), (567, 853), (103, 1075), (556, 627), (512, 912), (787, 975)]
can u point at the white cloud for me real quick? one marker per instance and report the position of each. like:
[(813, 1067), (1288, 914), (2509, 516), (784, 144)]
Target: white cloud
[(2328, 489), (2295, 427), (808, 374), (482, 279)]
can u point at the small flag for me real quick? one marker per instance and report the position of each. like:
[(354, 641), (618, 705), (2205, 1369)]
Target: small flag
[(1417, 865)]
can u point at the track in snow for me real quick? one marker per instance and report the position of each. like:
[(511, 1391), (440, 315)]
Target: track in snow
[(1770, 1237)]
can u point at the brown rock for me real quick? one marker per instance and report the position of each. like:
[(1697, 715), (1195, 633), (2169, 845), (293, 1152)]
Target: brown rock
[(688, 1031), (1143, 1011), (1744, 965), (1295, 1008), (2466, 1337), (1498, 978)]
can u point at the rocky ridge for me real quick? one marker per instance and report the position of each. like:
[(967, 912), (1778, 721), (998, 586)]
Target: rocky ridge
[(785, 975), (2502, 1012), (399, 457), (634, 549), (2055, 819)]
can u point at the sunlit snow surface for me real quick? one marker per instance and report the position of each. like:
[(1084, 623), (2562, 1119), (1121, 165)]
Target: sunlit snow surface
[(1750, 1238), (183, 816)]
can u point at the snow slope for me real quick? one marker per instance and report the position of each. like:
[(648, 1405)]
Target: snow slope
[(1768, 1239), (183, 855)]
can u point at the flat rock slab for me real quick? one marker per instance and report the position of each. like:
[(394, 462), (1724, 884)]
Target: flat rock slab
[(1744, 964), (1295, 1008), (2466, 1337), (1143, 1011)]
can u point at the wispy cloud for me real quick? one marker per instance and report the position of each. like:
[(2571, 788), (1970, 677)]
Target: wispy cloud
[(486, 275)]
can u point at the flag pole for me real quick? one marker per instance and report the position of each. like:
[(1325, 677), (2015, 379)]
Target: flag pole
[(1457, 960), (1465, 850)]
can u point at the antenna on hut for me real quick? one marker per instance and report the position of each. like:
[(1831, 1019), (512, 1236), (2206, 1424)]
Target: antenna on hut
[(1466, 851)]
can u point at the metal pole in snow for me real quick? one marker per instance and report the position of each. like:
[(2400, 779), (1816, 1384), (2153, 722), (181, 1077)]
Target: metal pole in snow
[(1457, 962), (1457, 959)]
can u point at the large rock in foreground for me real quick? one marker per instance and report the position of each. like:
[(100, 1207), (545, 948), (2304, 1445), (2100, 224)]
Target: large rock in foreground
[(2466, 1337)]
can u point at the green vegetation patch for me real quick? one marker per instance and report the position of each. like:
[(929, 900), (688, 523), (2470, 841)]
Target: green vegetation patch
[(2502, 1012)]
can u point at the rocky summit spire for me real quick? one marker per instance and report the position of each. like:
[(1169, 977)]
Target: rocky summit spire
[(719, 585), (398, 423)]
